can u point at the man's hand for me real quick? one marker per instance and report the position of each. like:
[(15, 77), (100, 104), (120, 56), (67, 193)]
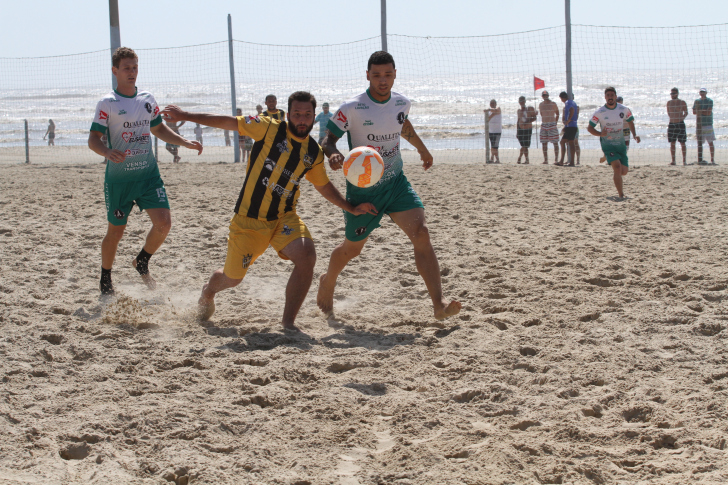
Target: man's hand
[(115, 156), (365, 208), (426, 158), (637, 139), (173, 113), (336, 161), (194, 145)]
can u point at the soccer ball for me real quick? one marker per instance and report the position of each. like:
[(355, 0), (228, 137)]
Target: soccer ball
[(363, 167)]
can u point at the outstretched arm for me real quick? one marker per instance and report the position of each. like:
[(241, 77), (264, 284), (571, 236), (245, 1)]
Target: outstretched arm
[(175, 113), (332, 194), (336, 159), (165, 133), (409, 134)]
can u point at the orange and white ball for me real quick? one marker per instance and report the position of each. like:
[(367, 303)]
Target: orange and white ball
[(363, 167)]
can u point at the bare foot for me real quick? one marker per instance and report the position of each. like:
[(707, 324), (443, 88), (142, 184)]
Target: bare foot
[(545, 162), (291, 328), (325, 296), (448, 310), (146, 278), (205, 309), (673, 163)]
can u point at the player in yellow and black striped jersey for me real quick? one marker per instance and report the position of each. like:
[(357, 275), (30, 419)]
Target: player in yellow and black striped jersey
[(265, 213), (272, 112)]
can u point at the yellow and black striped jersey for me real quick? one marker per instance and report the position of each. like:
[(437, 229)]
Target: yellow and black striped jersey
[(279, 115), (277, 163)]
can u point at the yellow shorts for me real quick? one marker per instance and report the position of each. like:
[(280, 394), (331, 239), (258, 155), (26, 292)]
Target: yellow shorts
[(249, 238)]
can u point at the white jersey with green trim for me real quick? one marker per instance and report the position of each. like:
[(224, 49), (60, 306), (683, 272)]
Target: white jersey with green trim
[(612, 121), (375, 124), (127, 120)]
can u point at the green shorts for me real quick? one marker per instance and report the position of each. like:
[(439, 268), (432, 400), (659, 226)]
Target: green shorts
[(121, 197), (396, 196), (614, 153)]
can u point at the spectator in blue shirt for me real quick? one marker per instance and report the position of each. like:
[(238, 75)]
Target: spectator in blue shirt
[(571, 114)]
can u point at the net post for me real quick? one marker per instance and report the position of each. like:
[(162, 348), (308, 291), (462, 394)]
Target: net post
[(27, 145), (567, 7), (114, 30), (384, 25), (236, 139)]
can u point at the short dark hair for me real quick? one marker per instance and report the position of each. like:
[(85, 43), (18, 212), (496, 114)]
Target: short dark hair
[(675, 89), (302, 96), (271, 96), (521, 98), (122, 53), (563, 94), (610, 88), (379, 58)]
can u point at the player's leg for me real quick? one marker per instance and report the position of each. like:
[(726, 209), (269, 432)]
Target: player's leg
[(562, 143), (340, 257), (161, 225), (672, 152), (109, 245), (545, 153), (217, 282), (617, 169), (712, 152), (684, 152), (556, 150), (412, 222), (302, 254)]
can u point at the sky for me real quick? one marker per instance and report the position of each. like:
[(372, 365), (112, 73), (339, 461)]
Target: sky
[(37, 28)]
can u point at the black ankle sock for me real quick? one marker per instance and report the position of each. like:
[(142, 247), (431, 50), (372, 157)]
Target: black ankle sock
[(106, 287), (142, 260)]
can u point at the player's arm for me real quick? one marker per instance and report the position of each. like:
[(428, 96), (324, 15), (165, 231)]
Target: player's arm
[(683, 111), (165, 133), (98, 146), (336, 159), (591, 128), (409, 134), (175, 113), (332, 194), (632, 129)]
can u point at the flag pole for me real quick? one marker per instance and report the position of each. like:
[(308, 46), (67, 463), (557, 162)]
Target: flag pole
[(534, 107)]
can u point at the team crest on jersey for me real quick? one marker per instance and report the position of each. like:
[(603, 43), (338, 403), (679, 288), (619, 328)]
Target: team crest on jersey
[(400, 117), (246, 260), (119, 214), (148, 107), (126, 136), (156, 110), (283, 146), (103, 115), (308, 161), (360, 231), (287, 230), (621, 115)]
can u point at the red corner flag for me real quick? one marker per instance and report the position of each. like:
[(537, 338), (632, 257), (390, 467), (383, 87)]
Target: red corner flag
[(538, 83)]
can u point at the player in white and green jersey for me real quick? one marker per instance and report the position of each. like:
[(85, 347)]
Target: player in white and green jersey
[(378, 118), (128, 118), (611, 117)]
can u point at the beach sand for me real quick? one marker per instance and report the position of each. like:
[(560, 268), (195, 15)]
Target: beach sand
[(591, 347)]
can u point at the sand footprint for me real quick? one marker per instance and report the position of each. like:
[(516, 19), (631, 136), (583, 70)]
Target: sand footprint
[(347, 467)]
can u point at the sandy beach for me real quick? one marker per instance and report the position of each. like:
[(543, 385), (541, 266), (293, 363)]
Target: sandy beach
[(591, 348)]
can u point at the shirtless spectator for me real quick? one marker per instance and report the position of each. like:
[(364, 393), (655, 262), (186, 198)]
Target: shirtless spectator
[(677, 111), (51, 133), (524, 127), (549, 131)]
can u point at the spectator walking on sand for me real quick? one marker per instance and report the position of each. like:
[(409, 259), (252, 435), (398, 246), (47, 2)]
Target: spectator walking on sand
[(495, 128), (51, 133), (677, 111), (524, 127), (171, 147), (703, 110), (549, 131), (198, 133)]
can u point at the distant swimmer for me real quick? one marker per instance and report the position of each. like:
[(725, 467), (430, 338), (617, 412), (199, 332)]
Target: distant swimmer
[(568, 140), (130, 117), (677, 111), (495, 129), (549, 131), (524, 127), (323, 119), (273, 112), (265, 213), (703, 110), (611, 117), (171, 147), (378, 118), (51, 133)]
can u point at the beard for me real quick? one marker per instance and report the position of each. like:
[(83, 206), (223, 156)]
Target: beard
[(300, 131)]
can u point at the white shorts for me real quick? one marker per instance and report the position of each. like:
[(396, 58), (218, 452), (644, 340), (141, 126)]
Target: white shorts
[(707, 134)]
